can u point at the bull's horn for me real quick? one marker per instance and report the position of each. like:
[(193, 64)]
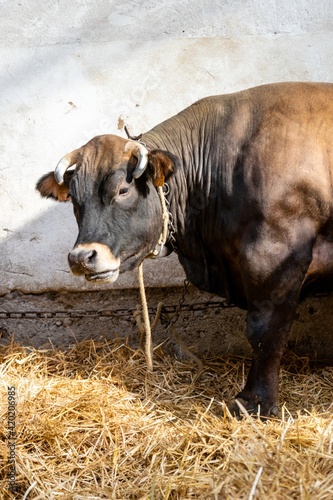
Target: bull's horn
[(141, 153), (65, 162)]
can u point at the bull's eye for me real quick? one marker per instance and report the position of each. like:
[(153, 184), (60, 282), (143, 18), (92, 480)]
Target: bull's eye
[(123, 191)]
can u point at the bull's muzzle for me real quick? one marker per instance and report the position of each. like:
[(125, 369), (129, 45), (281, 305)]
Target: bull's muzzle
[(95, 261)]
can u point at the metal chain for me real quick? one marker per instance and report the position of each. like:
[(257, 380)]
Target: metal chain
[(171, 227), (174, 318), (112, 313), (128, 312)]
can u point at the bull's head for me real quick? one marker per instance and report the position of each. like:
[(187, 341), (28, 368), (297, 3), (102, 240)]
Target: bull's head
[(115, 202)]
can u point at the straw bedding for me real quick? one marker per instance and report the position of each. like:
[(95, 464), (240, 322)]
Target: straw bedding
[(92, 423)]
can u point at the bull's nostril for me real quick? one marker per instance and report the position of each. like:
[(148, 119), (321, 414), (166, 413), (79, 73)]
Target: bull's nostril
[(81, 259), (91, 256)]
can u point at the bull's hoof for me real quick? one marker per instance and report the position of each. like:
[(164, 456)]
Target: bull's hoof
[(241, 407)]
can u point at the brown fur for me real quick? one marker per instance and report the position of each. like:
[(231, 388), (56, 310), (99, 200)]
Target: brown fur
[(102, 153), (162, 165), (49, 188)]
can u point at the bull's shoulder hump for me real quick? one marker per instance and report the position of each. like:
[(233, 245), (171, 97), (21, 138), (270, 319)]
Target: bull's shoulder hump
[(270, 93)]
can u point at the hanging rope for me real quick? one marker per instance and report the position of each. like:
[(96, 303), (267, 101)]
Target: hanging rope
[(148, 340), (146, 320)]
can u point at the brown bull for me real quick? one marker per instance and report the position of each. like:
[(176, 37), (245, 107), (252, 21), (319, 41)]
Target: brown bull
[(251, 196)]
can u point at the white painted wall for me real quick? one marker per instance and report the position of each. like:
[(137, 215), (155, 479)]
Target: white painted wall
[(72, 70)]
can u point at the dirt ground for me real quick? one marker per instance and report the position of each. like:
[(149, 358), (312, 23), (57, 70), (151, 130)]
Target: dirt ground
[(206, 330)]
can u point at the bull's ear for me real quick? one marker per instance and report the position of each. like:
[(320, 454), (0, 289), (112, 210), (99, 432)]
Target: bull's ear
[(161, 165), (49, 188)]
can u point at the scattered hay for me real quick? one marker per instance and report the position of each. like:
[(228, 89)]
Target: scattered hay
[(92, 423)]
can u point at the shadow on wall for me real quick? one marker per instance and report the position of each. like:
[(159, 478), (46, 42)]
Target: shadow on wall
[(34, 258)]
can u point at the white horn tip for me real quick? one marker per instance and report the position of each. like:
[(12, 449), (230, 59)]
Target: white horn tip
[(60, 170), (141, 152)]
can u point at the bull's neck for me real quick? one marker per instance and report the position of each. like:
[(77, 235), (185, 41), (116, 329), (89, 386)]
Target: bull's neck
[(178, 136)]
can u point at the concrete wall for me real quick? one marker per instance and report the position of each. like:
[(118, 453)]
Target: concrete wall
[(71, 70)]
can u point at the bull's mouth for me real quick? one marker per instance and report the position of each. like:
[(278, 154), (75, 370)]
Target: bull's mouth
[(132, 261), (129, 263), (110, 276)]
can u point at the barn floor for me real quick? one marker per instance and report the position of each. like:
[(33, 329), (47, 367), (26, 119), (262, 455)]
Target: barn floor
[(92, 423)]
